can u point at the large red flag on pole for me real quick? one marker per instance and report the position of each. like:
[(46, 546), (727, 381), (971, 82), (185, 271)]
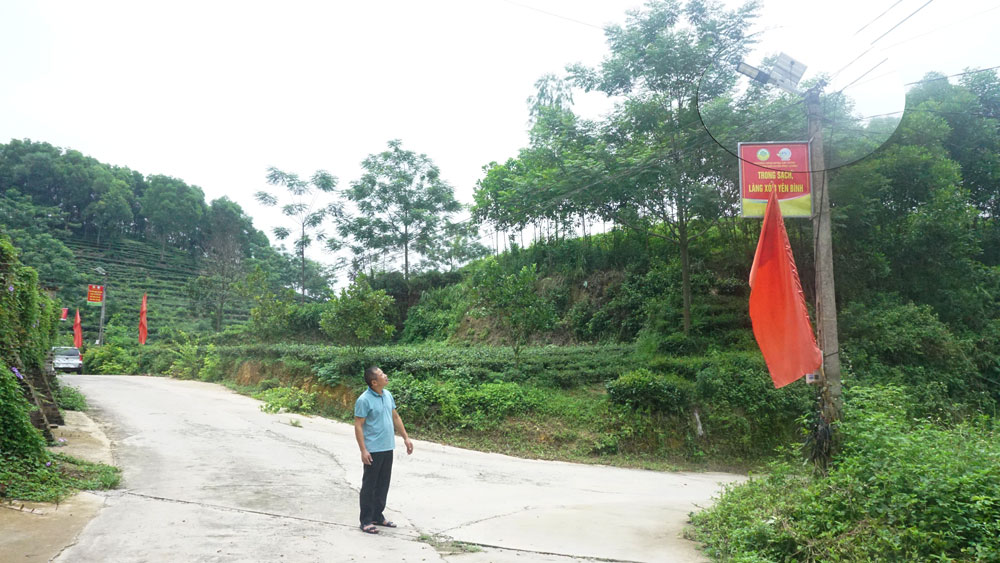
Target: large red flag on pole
[(77, 331), (142, 321), (778, 307)]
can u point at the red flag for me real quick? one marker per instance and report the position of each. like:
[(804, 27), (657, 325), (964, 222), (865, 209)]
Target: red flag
[(777, 305), (142, 321), (77, 331), (65, 313)]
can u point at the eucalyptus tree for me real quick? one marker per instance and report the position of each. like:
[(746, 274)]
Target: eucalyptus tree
[(307, 214), (402, 202)]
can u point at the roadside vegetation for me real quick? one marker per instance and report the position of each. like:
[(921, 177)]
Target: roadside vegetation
[(608, 323), (28, 469)]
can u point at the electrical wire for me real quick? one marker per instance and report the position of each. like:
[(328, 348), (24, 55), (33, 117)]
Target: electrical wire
[(879, 38), (940, 28), (562, 17), (952, 75), (878, 17)]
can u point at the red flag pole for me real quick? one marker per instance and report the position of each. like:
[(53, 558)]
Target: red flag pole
[(778, 306), (142, 321)]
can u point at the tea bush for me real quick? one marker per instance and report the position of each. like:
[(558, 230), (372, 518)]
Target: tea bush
[(642, 388), (455, 404)]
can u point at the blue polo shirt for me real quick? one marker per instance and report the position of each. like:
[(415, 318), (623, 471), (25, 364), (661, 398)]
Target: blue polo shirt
[(380, 435)]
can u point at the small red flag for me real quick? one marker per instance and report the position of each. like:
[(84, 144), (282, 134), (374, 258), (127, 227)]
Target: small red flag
[(65, 314), (777, 305), (77, 331), (142, 321)]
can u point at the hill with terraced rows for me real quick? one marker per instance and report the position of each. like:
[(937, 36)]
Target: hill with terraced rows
[(134, 268)]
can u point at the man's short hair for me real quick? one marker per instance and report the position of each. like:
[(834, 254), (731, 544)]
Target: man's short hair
[(370, 374)]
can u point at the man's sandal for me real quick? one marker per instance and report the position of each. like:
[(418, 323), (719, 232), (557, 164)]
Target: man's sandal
[(385, 524), (369, 529)]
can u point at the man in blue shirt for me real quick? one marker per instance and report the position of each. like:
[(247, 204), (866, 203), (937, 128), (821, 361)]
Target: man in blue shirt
[(375, 419)]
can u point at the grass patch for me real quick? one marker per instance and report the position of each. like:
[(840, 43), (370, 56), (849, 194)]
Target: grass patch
[(55, 479), (447, 546)]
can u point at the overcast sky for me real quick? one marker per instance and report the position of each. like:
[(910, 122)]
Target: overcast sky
[(214, 92)]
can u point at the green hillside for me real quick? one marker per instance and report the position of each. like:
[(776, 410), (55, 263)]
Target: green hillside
[(134, 268)]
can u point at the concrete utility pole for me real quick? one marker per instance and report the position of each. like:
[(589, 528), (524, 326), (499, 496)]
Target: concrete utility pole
[(826, 300)]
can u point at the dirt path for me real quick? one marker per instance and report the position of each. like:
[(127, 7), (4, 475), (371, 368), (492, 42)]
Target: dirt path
[(208, 477)]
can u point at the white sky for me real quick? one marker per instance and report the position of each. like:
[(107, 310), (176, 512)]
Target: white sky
[(214, 92)]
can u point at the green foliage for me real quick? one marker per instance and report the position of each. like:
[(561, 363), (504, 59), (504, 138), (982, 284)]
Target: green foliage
[(437, 315), (743, 415), (110, 359), (404, 206), (889, 341), (513, 302), (900, 486), (70, 399), (357, 317), (286, 399), (54, 478), (643, 389), (459, 404), (306, 216), (550, 366), (19, 438), (271, 307), (26, 329)]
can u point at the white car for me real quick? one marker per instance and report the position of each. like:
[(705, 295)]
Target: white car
[(66, 358)]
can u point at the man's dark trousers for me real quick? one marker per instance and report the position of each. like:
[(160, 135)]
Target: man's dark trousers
[(375, 487)]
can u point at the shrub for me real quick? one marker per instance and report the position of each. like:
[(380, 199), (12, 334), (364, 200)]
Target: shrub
[(905, 488), (211, 368), (456, 404), (742, 413), (110, 359), (358, 317), (643, 389), (437, 315), (286, 399), (888, 341)]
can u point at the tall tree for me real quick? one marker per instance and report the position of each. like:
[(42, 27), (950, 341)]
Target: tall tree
[(111, 213), (403, 202), (303, 210), (174, 211), (227, 247), (662, 61)]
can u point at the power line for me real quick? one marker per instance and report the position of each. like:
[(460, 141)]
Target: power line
[(941, 27), (560, 16), (879, 38), (877, 17), (953, 75), (883, 61)]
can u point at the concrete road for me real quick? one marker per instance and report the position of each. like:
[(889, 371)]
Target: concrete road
[(209, 477)]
